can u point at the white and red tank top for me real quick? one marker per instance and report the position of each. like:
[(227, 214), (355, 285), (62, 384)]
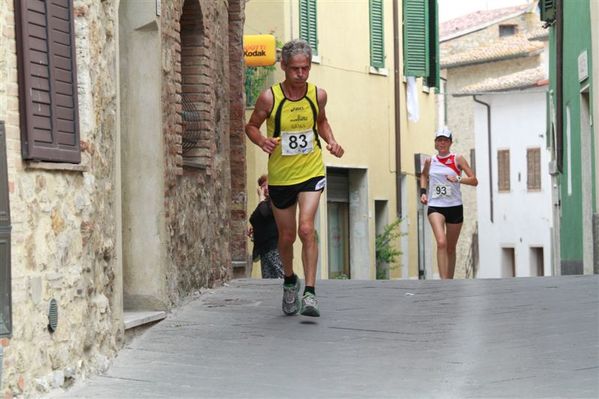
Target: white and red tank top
[(442, 192)]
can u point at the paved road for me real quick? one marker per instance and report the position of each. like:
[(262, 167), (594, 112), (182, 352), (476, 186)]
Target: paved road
[(511, 338)]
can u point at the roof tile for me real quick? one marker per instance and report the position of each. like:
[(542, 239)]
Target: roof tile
[(503, 48), (516, 81), (478, 19)]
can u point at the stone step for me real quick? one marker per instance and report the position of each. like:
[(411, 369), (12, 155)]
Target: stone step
[(137, 322), (138, 318), (240, 269)]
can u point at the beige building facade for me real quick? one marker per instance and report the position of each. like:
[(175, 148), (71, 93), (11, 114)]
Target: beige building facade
[(374, 183), (154, 209)]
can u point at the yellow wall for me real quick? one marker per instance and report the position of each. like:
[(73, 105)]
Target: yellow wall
[(416, 137), (360, 109)]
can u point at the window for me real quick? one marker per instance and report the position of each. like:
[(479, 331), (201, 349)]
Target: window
[(338, 235), (507, 30), (307, 24), (47, 81), (377, 42), (421, 40), (548, 10), (503, 170), (5, 280), (533, 162)]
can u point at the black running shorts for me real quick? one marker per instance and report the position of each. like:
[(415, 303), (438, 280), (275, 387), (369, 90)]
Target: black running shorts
[(453, 214), (285, 196)]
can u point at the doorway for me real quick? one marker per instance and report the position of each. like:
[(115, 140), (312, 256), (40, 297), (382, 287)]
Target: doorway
[(338, 238)]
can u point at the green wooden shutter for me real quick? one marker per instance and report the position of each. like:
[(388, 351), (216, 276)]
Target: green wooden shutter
[(415, 38), (433, 49), (307, 25), (377, 36), (548, 10)]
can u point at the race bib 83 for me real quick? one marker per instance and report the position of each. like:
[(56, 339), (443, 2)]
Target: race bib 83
[(296, 143)]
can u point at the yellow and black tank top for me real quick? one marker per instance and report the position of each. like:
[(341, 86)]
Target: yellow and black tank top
[(298, 156)]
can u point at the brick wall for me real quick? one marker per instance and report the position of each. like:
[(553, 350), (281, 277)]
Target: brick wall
[(238, 140), (205, 192)]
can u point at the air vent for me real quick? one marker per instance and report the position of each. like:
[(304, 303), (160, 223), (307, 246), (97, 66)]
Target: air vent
[(52, 315)]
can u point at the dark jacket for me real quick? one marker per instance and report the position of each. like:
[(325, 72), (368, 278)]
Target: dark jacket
[(266, 235)]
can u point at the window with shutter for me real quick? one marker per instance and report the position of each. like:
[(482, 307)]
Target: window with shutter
[(421, 40), (377, 34), (433, 80), (503, 170), (47, 80), (548, 10), (5, 279), (416, 38), (307, 25), (533, 161)]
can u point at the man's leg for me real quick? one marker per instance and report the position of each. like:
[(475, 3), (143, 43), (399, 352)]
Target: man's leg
[(285, 219), (308, 205)]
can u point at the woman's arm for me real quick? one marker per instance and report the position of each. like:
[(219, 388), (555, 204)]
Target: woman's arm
[(424, 181), (470, 178)]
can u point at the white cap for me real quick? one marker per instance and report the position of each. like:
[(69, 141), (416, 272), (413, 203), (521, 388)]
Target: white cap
[(443, 132)]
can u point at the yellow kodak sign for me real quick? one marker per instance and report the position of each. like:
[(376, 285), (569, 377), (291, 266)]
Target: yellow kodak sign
[(259, 50)]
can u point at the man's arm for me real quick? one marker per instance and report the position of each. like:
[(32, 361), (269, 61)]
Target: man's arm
[(263, 106), (324, 129)]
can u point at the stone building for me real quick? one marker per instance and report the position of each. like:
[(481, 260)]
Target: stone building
[(125, 173)]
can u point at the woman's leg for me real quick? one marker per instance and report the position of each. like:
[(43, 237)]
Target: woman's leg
[(437, 221), (452, 233)]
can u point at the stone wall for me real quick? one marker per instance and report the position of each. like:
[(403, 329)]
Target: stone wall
[(66, 236), (63, 223)]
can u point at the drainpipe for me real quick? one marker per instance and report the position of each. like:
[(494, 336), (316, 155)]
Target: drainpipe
[(489, 152), (397, 82), (559, 89), (442, 123)]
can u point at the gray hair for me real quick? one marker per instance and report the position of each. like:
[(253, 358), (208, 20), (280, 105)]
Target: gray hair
[(296, 47)]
